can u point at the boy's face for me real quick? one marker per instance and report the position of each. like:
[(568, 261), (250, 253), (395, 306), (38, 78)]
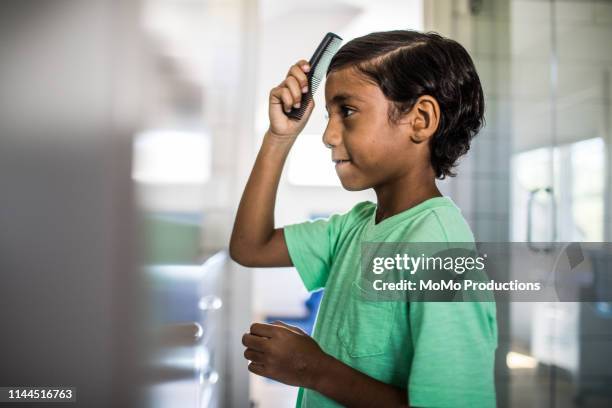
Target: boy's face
[(368, 149)]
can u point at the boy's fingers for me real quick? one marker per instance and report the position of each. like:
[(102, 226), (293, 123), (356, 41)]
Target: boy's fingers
[(256, 368), (294, 88), (254, 355), (287, 98), (275, 94), (255, 342), (290, 327), (299, 75), (304, 65), (263, 329), (280, 323)]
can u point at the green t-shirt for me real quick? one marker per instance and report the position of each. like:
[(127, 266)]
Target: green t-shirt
[(442, 352)]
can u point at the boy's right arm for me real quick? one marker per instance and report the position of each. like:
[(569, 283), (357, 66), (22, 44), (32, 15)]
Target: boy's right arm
[(255, 242)]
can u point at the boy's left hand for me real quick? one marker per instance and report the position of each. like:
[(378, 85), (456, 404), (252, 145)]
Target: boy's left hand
[(283, 353)]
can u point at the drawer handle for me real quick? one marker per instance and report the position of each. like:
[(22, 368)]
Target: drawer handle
[(179, 334), (210, 302), (209, 378)]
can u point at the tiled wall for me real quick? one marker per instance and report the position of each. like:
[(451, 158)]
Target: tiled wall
[(482, 186), (546, 81)]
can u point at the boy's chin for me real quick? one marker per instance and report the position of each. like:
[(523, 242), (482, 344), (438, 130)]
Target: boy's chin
[(353, 186)]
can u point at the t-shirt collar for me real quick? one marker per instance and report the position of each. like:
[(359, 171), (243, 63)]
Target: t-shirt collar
[(391, 222)]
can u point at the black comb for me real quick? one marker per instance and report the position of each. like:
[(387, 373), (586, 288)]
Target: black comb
[(318, 67)]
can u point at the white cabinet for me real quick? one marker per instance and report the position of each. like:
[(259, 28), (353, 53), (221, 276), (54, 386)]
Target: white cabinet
[(186, 351)]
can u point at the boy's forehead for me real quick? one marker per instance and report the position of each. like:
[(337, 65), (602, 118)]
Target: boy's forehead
[(346, 83)]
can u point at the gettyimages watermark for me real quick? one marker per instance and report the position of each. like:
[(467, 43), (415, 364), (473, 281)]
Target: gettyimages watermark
[(486, 271)]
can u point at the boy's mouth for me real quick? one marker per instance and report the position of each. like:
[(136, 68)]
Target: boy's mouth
[(340, 161)]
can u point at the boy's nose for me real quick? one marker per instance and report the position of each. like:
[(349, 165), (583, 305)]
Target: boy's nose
[(332, 137)]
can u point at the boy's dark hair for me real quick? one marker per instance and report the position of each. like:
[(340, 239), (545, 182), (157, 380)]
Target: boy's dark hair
[(407, 64)]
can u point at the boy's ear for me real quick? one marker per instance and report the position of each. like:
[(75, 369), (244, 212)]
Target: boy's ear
[(424, 118)]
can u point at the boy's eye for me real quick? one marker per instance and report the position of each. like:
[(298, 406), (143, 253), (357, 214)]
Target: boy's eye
[(346, 111)]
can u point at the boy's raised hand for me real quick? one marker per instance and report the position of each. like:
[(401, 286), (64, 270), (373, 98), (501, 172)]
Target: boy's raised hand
[(286, 95)]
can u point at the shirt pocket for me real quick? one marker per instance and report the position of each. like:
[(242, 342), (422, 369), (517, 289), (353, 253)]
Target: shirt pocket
[(366, 324)]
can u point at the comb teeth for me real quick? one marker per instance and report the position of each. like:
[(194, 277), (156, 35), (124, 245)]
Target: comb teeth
[(326, 57), (319, 63)]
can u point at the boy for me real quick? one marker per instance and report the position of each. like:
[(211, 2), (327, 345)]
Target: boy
[(403, 107)]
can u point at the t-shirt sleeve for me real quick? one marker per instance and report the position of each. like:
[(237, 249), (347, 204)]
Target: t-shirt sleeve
[(311, 246), (454, 347)]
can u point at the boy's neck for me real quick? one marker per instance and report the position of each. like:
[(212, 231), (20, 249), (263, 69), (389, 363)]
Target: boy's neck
[(403, 194)]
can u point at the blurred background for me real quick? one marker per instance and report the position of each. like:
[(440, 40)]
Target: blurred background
[(128, 130)]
